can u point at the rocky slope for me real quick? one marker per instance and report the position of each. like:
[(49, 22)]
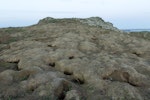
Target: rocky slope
[(92, 21), (70, 59)]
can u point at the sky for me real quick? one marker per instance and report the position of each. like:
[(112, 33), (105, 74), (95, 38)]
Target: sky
[(124, 14)]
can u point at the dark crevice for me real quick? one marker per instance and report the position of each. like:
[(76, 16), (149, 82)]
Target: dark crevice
[(62, 96), (78, 81), (8, 65), (16, 65), (31, 90), (132, 84), (52, 64), (61, 91), (15, 62), (71, 57), (16, 68), (67, 73), (137, 54), (49, 45), (53, 47)]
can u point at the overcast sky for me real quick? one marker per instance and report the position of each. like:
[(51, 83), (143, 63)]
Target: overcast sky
[(124, 14)]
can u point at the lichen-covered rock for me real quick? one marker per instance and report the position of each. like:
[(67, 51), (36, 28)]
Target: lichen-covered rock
[(96, 21)]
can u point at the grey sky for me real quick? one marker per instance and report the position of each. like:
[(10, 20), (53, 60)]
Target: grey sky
[(124, 14)]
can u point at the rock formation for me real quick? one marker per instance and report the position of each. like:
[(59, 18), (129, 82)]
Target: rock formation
[(73, 59), (92, 21)]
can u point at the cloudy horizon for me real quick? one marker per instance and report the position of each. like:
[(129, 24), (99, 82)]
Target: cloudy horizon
[(124, 14)]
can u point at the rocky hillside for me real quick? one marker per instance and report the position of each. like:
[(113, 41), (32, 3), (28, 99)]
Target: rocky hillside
[(73, 59), (92, 21)]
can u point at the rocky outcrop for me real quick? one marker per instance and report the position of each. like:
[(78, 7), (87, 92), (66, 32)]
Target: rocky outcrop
[(69, 60), (96, 21), (92, 21)]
